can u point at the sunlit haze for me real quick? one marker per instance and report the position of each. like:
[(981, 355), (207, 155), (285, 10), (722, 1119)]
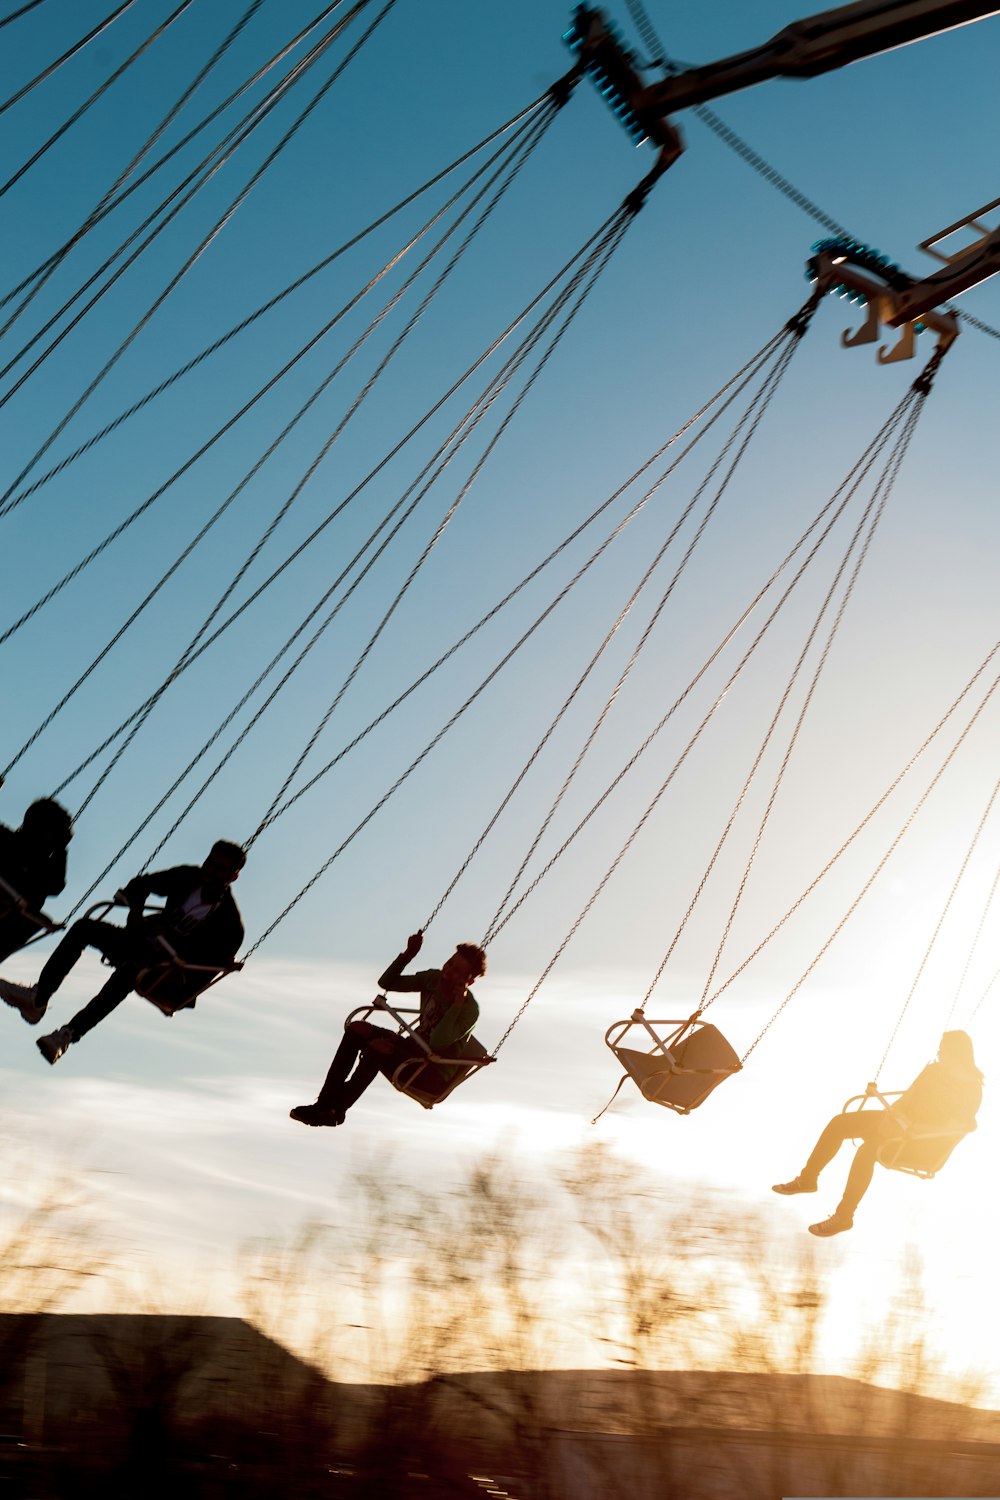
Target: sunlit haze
[(175, 1133)]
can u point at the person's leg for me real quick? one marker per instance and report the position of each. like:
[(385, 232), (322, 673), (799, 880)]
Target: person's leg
[(831, 1139), (858, 1180), (430, 1078), (356, 1035), (110, 941), (838, 1130), (858, 1125), (108, 998), (882, 1128), (381, 1052), (872, 1127), (337, 1094), (372, 1050)]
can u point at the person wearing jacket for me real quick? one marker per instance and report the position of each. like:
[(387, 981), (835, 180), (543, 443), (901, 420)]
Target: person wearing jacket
[(32, 868), (944, 1097), (200, 920), (448, 1016)]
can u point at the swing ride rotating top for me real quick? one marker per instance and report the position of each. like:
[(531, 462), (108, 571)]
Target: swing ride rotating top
[(678, 1062)]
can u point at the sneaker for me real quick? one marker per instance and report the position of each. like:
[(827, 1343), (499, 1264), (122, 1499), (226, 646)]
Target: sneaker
[(835, 1224), (798, 1184), (23, 998), (55, 1044), (316, 1114)]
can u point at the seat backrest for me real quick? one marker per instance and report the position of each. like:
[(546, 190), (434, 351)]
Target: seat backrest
[(704, 1054), (414, 1074), (923, 1155), (473, 1048), (170, 988), (706, 1048)]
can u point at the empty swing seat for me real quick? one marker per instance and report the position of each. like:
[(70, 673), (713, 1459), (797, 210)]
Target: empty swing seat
[(680, 1069)]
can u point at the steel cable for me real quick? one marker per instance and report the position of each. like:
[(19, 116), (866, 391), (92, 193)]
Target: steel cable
[(517, 160), (743, 432), (115, 202), (192, 259), (932, 940), (118, 531), (275, 809), (193, 655), (266, 307), (745, 151), (40, 278), (582, 679), (98, 93), (71, 52)]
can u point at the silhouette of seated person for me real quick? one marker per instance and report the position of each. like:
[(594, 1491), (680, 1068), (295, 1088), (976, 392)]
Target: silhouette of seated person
[(32, 868), (448, 1016), (200, 921), (945, 1097)]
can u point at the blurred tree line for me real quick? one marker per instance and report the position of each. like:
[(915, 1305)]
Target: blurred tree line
[(429, 1331)]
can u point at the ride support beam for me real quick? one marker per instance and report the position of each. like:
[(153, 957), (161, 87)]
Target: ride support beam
[(816, 44), (883, 309), (961, 269), (805, 48)]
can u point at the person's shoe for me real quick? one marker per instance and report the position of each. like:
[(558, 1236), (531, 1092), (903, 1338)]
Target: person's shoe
[(55, 1044), (798, 1184), (835, 1224), (23, 997), (316, 1114)]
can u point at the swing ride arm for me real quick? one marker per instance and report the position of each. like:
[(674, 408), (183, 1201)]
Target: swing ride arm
[(814, 45), (909, 305), (961, 269), (804, 49)]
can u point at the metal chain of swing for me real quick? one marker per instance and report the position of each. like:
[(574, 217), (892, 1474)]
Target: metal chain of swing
[(939, 924), (883, 485), (921, 387), (795, 328), (730, 391)]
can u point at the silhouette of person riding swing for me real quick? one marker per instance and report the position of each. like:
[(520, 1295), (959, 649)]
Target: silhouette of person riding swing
[(448, 1016), (198, 929), (32, 868), (938, 1108)]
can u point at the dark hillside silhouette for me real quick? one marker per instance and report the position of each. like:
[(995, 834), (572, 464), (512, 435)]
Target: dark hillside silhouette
[(134, 1405)]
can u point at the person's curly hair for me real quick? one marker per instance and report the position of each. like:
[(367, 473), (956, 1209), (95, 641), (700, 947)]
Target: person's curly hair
[(474, 957)]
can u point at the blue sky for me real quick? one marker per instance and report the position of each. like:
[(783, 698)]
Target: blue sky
[(894, 149)]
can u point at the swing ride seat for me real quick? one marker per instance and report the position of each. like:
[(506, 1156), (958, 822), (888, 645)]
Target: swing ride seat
[(412, 1076), (174, 984), (13, 904), (680, 1069), (920, 1152), (170, 983)]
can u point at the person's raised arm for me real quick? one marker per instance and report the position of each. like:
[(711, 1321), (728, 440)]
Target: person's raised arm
[(393, 978)]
